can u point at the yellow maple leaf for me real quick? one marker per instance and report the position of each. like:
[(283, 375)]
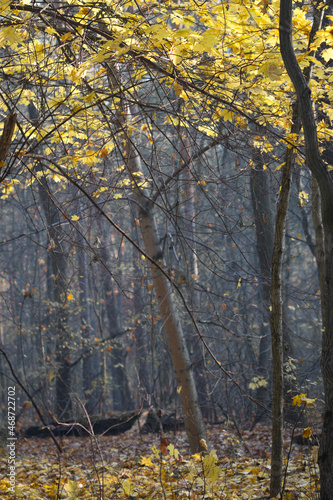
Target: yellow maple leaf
[(301, 398), (297, 400), (75, 218), (66, 36), (146, 461), (327, 54), (307, 432)]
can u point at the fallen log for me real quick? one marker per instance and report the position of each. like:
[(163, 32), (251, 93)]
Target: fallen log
[(115, 423), (157, 422)]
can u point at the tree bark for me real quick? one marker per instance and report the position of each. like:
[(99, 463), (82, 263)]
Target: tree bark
[(320, 236), (194, 424), (92, 387), (180, 357), (324, 179), (5, 141), (59, 287), (263, 219), (277, 327)]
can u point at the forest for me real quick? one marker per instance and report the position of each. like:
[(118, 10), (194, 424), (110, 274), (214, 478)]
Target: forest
[(166, 249)]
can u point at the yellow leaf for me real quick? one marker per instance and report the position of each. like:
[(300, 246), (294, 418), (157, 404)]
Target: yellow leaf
[(272, 69), (301, 398), (70, 296), (307, 432), (179, 389), (128, 488), (297, 400), (203, 443), (51, 375), (178, 88), (303, 197), (75, 218), (227, 115), (50, 31), (11, 36), (309, 401), (327, 54), (66, 36), (175, 54), (173, 451), (239, 282), (72, 489), (146, 461)]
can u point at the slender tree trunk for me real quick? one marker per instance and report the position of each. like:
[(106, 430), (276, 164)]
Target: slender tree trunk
[(277, 326), (5, 141), (320, 236)]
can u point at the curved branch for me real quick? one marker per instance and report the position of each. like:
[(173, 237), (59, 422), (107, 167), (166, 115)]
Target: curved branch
[(303, 92)]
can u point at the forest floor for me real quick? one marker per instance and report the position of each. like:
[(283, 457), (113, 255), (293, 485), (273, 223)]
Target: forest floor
[(134, 466)]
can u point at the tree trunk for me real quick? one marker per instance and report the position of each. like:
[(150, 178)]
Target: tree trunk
[(324, 179), (180, 357), (194, 424), (277, 327), (319, 232), (263, 218), (90, 363), (191, 270), (121, 394), (59, 285)]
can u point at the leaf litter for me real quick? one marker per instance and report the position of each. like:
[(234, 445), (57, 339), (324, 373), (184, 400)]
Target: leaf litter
[(135, 466)]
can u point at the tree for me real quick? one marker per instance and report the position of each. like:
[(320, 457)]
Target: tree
[(222, 64), (324, 179)]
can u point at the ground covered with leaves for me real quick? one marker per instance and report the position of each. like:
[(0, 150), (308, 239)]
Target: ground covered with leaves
[(138, 466)]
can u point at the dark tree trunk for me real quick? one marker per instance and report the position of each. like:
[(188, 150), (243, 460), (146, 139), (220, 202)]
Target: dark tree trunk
[(58, 282), (121, 394), (92, 386), (325, 182), (262, 204)]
